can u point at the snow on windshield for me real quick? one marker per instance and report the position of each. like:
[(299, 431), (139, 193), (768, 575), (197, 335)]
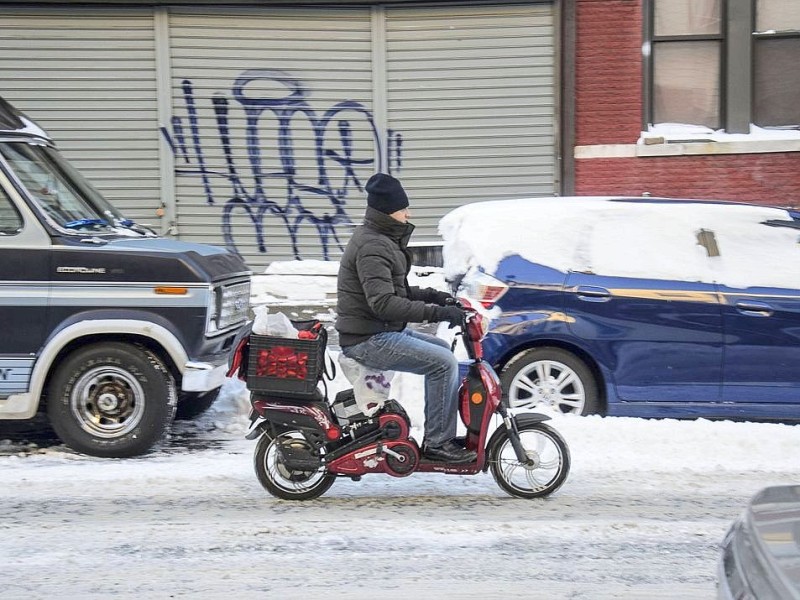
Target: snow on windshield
[(632, 238)]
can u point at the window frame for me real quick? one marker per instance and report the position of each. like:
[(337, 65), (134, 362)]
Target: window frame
[(5, 197), (758, 36), (737, 76), (651, 40)]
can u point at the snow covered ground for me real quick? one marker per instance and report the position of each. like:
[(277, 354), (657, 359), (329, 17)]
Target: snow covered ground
[(640, 517)]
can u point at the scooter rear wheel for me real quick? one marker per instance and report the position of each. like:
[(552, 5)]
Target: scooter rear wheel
[(548, 467), (284, 482)]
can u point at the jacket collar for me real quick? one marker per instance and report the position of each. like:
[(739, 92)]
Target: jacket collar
[(392, 228)]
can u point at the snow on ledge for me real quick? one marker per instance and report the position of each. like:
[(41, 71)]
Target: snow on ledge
[(678, 139), (680, 132)]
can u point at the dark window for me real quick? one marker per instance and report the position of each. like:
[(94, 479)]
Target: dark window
[(723, 64), (776, 77), (686, 57)]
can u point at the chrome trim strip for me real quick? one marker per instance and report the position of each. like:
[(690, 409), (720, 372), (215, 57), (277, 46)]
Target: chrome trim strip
[(102, 295), (90, 283), (15, 374)]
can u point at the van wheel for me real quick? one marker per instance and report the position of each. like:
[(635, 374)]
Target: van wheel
[(194, 404), (111, 400), (550, 380)]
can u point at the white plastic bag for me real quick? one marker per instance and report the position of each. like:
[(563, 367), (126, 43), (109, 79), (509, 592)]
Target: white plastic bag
[(260, 321), (277, 324), (370, 386)]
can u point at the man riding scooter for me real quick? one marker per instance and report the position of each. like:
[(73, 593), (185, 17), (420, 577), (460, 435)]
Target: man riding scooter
[(375, 303)]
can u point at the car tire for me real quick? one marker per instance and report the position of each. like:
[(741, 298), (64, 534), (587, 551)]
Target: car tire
[(550, 379), (194, 404), (111, 400)]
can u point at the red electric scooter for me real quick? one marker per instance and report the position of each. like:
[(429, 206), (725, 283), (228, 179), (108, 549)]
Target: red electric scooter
[(305, 443)]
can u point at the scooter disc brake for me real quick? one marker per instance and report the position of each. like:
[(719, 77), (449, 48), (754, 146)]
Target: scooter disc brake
[(405, 465)]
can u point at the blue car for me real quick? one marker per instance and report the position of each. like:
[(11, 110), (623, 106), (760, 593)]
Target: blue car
[(636, 306)]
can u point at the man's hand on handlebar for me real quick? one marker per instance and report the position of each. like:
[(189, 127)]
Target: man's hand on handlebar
[(451, 314), (442, 298)]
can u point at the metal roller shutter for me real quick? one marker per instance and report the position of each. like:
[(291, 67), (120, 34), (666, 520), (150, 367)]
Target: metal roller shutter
[(280, 114), (471, 93), (88, 77), (272, 127)]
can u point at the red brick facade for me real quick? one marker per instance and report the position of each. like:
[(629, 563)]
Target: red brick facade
[(608, 72), (760, 178), (608, 110)]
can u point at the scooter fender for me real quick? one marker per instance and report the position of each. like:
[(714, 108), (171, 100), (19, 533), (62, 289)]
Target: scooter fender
[(522, 419), (257, 430)]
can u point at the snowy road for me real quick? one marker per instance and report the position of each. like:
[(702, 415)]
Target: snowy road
[(640, 517)]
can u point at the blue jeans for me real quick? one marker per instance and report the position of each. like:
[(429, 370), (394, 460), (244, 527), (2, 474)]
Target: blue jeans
[(415, 352)]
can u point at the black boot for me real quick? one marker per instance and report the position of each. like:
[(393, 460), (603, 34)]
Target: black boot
[(449, 452)]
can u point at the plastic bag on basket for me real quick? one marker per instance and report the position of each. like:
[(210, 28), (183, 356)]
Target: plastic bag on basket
[(370, 386), (260, 325), (279, 325)]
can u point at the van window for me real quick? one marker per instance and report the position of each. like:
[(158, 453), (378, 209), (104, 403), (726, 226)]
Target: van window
[(53, 193), (58, 190), (10, 219)]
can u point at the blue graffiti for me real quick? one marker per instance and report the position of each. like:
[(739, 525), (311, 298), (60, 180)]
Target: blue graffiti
[(332, 128)]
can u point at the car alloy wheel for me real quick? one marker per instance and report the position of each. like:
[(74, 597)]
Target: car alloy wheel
[(550, 380)]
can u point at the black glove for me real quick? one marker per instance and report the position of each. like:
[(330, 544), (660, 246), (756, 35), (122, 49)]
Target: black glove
[(451, 314), (442, 298)]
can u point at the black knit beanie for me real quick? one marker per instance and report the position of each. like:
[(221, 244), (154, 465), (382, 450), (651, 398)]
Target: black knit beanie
[(385, 193)]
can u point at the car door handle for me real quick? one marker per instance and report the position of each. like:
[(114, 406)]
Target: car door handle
[(754, 309), (590, 293)]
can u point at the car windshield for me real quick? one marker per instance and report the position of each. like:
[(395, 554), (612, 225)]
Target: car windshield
[(60, 191)]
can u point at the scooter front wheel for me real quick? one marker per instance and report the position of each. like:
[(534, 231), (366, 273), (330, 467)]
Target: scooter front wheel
[(286, 481), (545, 470)]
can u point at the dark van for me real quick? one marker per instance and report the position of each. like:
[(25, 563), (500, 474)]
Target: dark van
[(104, 325)]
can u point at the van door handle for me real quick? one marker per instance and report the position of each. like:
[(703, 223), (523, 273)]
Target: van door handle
[(754, 309), (590, 293)]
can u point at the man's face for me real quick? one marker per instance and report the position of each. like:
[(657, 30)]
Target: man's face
[(401, 215)]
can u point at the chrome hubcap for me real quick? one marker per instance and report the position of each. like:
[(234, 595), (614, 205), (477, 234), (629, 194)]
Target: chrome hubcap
[(107, 402)]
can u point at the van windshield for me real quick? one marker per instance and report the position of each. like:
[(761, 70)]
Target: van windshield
[(60, 191)]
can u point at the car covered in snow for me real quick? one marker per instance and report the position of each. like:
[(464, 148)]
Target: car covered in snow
[(648, 307), (760, 556)]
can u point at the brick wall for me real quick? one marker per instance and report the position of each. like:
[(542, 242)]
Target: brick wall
[(608, 72), (760, 178), (608, 110)]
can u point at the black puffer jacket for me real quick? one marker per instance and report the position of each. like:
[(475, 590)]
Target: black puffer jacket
[(373, 291)]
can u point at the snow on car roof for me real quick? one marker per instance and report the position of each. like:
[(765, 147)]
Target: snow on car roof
[(627, 237)]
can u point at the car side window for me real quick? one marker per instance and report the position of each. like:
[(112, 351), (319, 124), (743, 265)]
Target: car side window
[(10, 219), (647, 241), (757, 254)]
